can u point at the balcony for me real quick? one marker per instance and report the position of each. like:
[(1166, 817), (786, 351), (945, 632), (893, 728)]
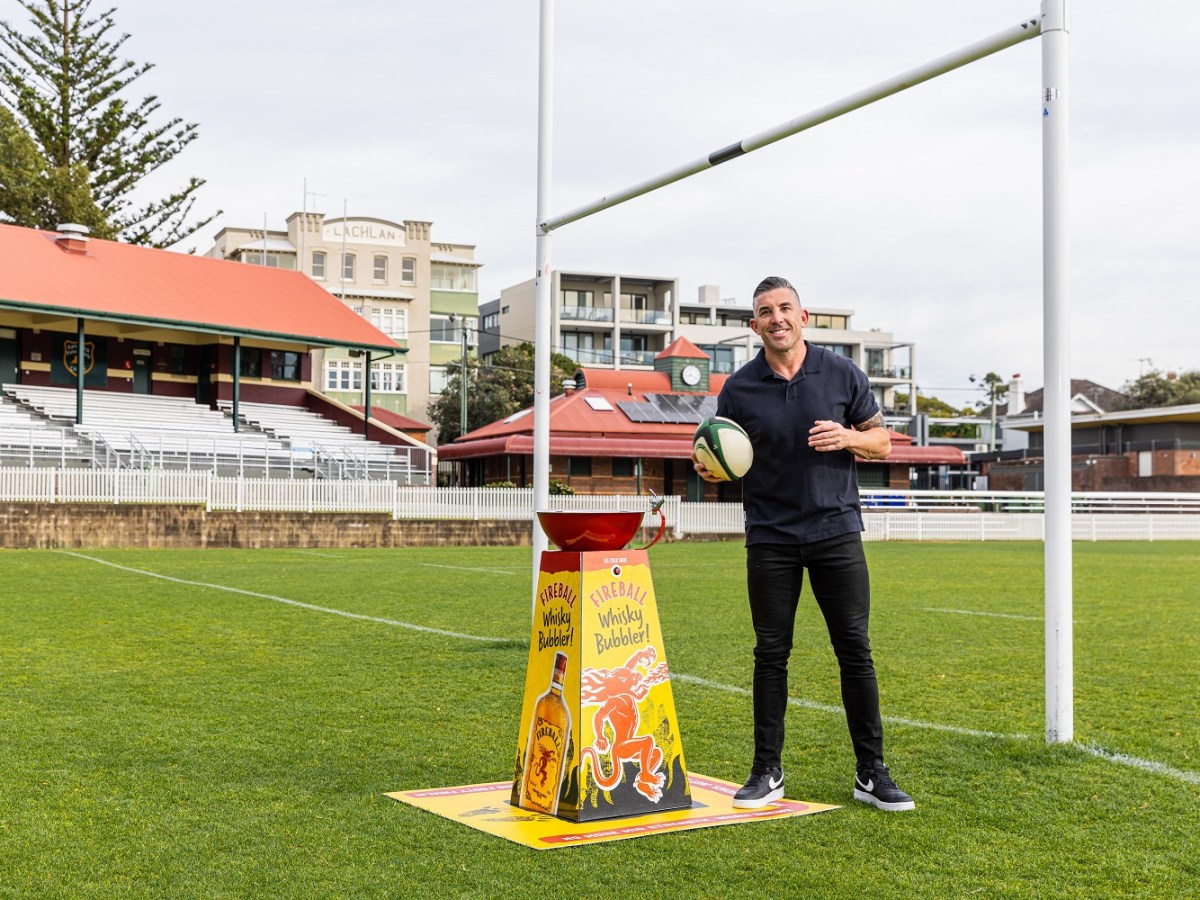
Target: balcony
[(898, 373), (646, 316), (587, 357), (585, 313), (638, 357)]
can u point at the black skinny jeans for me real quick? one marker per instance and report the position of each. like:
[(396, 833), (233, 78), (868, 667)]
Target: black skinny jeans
[(841, 584)]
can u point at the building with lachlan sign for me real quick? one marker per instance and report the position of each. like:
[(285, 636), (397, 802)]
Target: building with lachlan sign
[(421, 293)]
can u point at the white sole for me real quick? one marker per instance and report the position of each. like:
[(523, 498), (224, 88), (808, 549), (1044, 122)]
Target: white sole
[(758, 802), (903, 806)]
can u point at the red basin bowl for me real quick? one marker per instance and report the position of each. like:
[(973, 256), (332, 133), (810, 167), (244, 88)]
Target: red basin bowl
[(590, 530)]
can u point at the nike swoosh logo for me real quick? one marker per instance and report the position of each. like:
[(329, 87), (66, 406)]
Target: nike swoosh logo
[(772, 783), (869, 786)]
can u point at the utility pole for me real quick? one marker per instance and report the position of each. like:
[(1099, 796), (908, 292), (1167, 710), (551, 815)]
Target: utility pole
[(462, 374)]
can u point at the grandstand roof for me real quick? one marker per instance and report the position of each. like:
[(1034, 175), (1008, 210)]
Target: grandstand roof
[(44, 274)]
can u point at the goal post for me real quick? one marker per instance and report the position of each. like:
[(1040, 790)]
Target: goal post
[(1051, 25)]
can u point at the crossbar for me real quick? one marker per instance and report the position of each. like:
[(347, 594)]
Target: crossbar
[(1026, 30)]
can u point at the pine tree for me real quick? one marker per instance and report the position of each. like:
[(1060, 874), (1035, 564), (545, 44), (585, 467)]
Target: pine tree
[(64, 84)]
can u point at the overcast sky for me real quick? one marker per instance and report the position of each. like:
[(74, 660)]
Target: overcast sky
[(922, 213)]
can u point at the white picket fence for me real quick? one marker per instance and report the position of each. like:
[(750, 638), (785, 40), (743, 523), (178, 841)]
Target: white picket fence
[(888, 515)]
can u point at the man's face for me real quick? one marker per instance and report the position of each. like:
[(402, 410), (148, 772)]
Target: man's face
[(778, 320)]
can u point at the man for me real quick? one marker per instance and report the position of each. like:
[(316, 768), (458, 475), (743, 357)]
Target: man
[(809, 414)]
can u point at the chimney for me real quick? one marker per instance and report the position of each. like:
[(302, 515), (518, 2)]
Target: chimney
[(1016, 396), (72, 238)]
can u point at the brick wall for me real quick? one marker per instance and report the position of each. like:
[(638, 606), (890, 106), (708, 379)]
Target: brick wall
[(25, 526)]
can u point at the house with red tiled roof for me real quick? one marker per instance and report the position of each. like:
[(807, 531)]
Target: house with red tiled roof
[(630, 431)]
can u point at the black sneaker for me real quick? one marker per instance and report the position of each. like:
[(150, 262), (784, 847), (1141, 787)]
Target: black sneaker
[(760, 789), (873, 784)]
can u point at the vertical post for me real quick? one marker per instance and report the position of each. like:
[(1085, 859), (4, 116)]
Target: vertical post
[(367, 396), (542, 300), (80, 365), (237, 378), (462, 380), (1056, 323)]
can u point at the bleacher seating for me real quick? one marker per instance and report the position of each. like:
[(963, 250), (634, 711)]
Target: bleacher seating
[(345, 453), (144, 430), (31, 439)]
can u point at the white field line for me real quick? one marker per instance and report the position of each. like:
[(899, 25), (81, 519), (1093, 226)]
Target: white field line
[(830, 708), (319, 553), (473, 569), (971, 612), (1147, 765), (313, 607)]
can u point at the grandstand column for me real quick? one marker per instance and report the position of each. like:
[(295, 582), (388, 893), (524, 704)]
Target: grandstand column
[(237, 378), (79, 370), (367, 396)]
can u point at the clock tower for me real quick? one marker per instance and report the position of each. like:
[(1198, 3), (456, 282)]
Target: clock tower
[(686, 365)]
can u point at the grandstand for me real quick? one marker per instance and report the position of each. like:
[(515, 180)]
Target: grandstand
[(343, 452), (38, 427)]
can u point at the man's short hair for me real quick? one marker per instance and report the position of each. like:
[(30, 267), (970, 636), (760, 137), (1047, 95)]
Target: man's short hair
[(774, 283)]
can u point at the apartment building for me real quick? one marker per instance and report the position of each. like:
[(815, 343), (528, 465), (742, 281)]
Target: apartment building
[(598, 331), (418, 291), (597, 319)]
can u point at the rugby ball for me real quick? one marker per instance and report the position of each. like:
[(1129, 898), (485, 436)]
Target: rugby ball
[(723, 447)]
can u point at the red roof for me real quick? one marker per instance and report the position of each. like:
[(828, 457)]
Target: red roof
[(681, 346), (123, 282), (396, 420), (578, 428)]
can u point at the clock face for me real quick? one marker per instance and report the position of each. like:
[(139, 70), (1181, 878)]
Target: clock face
[(690, 375)]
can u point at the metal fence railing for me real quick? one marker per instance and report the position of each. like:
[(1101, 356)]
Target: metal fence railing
[(887, 515)]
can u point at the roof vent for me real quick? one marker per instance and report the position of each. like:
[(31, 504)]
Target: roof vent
[(568, 385), (73, 237)]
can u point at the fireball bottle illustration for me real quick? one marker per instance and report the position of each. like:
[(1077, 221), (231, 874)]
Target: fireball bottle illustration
[(616, 694), (546, 748)]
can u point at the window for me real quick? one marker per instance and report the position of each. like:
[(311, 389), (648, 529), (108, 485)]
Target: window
[(318, 265), (285, 365), (270, 260), (437, 379), (343, 375), (442, 330), (408, 270), (491, 323), (179, 360), (622, 467), (448, 277), (824, 320), (580, 466), (251, 366), (379, 269), (388, 378), (578, 298), (348, 266), (391, 320), (839, 349)]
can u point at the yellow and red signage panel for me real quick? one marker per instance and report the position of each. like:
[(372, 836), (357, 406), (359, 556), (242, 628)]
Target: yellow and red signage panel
[(486, 807), (622, 755)]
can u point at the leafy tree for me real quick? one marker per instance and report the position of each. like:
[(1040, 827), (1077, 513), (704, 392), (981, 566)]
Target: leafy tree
[(495, 390), (1155, 389), (933, 406), (995, 391), (64, 84)]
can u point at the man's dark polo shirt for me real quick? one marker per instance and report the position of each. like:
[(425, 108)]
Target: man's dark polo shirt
[(792, 493)]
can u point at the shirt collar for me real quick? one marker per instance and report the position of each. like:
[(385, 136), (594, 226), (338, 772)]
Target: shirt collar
[(813, 359)]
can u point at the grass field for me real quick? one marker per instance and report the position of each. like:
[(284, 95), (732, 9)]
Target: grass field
[(191, 736)]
